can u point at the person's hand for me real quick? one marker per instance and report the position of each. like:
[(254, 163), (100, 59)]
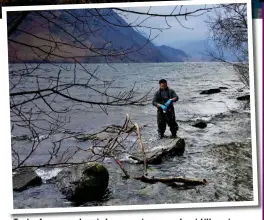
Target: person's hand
[(174, 100), (164, 108), (168, 102)]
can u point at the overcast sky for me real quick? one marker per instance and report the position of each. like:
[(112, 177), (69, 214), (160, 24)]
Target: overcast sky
[(196, 27)]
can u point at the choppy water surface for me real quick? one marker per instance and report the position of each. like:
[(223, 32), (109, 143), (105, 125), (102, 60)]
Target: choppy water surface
[(220, 153)]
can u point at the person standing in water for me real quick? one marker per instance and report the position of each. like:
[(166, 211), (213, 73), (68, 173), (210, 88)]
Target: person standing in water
[(163, 99)]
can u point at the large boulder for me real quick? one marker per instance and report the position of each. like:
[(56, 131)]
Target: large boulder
[(25, 178), (83, 183), (163, 149), (210, 91)]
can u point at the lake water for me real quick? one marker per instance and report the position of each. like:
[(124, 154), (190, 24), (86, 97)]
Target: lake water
[(220, 153)]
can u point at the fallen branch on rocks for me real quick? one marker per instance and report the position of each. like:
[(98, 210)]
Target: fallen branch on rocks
[(142, 149), (186, 181), (121, 167), (109, 131), (157, 156)]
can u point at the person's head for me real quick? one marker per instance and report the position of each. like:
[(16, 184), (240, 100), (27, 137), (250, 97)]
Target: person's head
[(163, 84)]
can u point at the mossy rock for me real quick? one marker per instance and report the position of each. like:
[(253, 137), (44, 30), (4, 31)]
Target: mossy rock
[(83, 183)]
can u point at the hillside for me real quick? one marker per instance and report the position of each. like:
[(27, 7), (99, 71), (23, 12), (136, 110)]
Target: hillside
[(104, 29), (110, 33), (173, 55)]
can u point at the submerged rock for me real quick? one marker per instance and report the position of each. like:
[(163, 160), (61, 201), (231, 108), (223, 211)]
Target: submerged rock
[(25, 178), (223, 87), (83, 183), (20, 137), (244, 98), (152, 190), (100, 136), (210, 91), (200, 124)]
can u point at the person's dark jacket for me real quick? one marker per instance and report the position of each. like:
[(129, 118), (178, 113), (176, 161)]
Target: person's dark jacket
[(162, 96)]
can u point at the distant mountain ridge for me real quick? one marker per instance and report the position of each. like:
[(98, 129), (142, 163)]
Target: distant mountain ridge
[(115, 36), (198, 50), (173, 55)]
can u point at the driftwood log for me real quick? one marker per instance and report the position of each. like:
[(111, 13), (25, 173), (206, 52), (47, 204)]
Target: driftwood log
[(187, 181), (162, 149)]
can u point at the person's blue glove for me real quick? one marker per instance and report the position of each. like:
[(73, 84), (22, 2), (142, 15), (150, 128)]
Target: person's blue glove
[(164, 108), (168, 102)]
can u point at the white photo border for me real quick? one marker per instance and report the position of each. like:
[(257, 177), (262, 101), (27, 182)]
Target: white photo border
[(7, 138)]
